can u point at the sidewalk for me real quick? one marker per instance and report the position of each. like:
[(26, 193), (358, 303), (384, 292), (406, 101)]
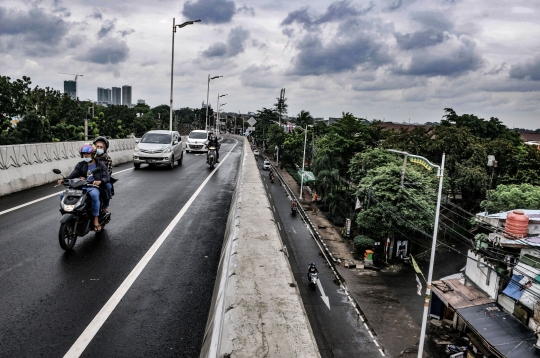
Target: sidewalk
[(390, 320)]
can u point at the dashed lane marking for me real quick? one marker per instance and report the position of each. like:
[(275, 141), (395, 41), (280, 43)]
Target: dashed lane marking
[(382, 353), (89, 333), (377, 344)]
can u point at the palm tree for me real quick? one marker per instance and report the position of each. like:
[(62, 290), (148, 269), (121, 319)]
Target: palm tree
[(304, 118)]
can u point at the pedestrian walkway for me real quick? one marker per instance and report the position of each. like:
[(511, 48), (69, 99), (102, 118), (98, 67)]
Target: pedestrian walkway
[(395, 328)]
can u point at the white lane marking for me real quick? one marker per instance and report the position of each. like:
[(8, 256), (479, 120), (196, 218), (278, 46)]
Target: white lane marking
[(370, 334), (270, 195), (362, 318), (382, 353), (43, 198), (366, 326), (274, 208), (294, 230), (324, 297), (279, 227), (88, 334), (377, 344)]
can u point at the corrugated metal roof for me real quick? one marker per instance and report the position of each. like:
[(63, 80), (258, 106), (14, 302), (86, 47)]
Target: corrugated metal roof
[(456, 295), (501, 332)]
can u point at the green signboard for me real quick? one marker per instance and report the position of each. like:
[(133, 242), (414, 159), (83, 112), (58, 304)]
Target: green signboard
[(309, 177)]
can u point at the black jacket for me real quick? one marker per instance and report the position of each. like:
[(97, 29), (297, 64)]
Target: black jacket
[(81, 170), (213, 143)]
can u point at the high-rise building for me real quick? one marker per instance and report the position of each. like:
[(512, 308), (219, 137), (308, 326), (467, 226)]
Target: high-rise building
[(116, 96), (70, 88), (101, 94), (108, 95), (126, 96), (141, 101)]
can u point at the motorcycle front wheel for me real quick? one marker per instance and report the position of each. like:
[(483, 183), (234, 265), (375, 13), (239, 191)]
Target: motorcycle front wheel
[(67, 235)]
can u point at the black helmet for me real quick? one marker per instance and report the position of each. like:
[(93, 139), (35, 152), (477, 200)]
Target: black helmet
[(312, 264), (102, 139)]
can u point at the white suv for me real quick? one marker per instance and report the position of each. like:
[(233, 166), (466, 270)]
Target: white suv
[(159, 147), (196, 141)]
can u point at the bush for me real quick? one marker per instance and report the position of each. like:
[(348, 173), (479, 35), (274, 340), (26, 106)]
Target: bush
[(363, 243)]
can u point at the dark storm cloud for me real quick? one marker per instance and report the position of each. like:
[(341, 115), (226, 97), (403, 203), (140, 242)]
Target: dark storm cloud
[(420, 39), (126, 32), (236, 44), (527, 70), (336, 12), (109, 51), (96, 14), (496, 70), (339, 55), (452, 62), (288, 32), (210, 11), (106, 28), (395, 5), (34, 26)]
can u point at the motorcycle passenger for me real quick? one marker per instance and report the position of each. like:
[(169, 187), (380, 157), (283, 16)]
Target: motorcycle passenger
[(83, 170), (311, 269), (102, 146), (213, 142)]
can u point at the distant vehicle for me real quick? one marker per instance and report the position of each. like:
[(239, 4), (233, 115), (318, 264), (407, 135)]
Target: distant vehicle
[(266, 164), (196, 141), (256, 153), (159, 147)]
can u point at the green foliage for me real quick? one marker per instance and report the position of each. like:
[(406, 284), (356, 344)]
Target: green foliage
[(363, 243), (304, 118), (510, 197)]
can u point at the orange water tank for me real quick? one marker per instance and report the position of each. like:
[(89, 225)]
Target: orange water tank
[(517, 224)]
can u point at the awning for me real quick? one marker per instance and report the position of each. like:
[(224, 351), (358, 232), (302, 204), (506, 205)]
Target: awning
[(501, 332), (456, 295), (309, 177)]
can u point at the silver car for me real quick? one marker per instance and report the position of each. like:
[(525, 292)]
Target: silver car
[(196, 141), (159, 147)]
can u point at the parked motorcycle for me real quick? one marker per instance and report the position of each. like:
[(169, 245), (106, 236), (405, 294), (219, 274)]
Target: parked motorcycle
[(76, 208), (212, 157)]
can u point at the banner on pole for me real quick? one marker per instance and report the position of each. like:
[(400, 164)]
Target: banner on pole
[(418, 286), (416, 268), (348, 227), (358, 204)]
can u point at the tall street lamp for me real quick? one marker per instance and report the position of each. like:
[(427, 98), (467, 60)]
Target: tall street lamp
[(217, 108), (172, 63), (219, 116), (440, 173), (207, 94), (303, 159)]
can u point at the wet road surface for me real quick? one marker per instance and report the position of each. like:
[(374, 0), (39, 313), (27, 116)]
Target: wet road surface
[(338, 329), (49, 297)]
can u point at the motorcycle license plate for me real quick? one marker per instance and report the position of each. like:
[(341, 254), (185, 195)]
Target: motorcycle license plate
[(151, 161), (73, 192)]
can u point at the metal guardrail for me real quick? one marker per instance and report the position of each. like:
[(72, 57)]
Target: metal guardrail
[(16, 156)]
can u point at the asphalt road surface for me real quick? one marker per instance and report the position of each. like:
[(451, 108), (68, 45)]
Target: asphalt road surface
[(49, 297), (337, 327)]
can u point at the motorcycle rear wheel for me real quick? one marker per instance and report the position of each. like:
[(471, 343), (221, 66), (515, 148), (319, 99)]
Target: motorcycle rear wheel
[(67, 235)]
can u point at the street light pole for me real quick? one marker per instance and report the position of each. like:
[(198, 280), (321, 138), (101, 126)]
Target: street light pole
[(219, 117), (172, 63), (217, 108), (207, 99), (303, 163), (427, 297)]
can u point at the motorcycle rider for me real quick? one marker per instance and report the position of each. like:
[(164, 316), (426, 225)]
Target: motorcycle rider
[(311, 269), (83, 170), (102, 146), (294, 204), (213, 142)]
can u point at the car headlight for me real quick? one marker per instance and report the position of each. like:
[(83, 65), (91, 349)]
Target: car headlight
[(137, 148), (167, 150)]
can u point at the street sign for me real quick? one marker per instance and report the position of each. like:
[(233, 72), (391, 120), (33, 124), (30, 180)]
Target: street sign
[(348, 227), (251, 121)]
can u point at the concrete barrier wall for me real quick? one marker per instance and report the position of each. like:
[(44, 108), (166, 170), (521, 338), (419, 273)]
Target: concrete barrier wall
[(28, 165), (256, 307)]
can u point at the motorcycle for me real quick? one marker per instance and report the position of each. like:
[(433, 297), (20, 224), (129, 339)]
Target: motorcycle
[(272, 178), (76, 208), (212, 155), (313, 278), (294, 209)]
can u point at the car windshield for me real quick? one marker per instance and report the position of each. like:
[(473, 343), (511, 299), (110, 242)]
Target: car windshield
[(156, 138), (197, 135)]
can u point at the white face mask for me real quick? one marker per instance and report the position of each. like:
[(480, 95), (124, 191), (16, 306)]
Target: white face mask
[(100, 151), (88, 160)]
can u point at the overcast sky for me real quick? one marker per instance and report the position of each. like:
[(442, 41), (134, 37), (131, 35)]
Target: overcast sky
[(386, 59)]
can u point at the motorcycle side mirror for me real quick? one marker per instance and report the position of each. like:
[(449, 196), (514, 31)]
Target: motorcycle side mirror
[(57, 171)]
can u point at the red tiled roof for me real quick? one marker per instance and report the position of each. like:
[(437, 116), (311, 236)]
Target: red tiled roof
[(530, 136)]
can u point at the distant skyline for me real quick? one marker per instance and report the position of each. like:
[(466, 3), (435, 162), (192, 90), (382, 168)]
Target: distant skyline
[(389, 59)]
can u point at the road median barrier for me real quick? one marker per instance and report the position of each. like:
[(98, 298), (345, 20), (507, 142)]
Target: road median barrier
[(256, 308)]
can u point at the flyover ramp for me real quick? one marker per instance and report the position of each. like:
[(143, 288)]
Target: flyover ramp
[(256, 309)]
